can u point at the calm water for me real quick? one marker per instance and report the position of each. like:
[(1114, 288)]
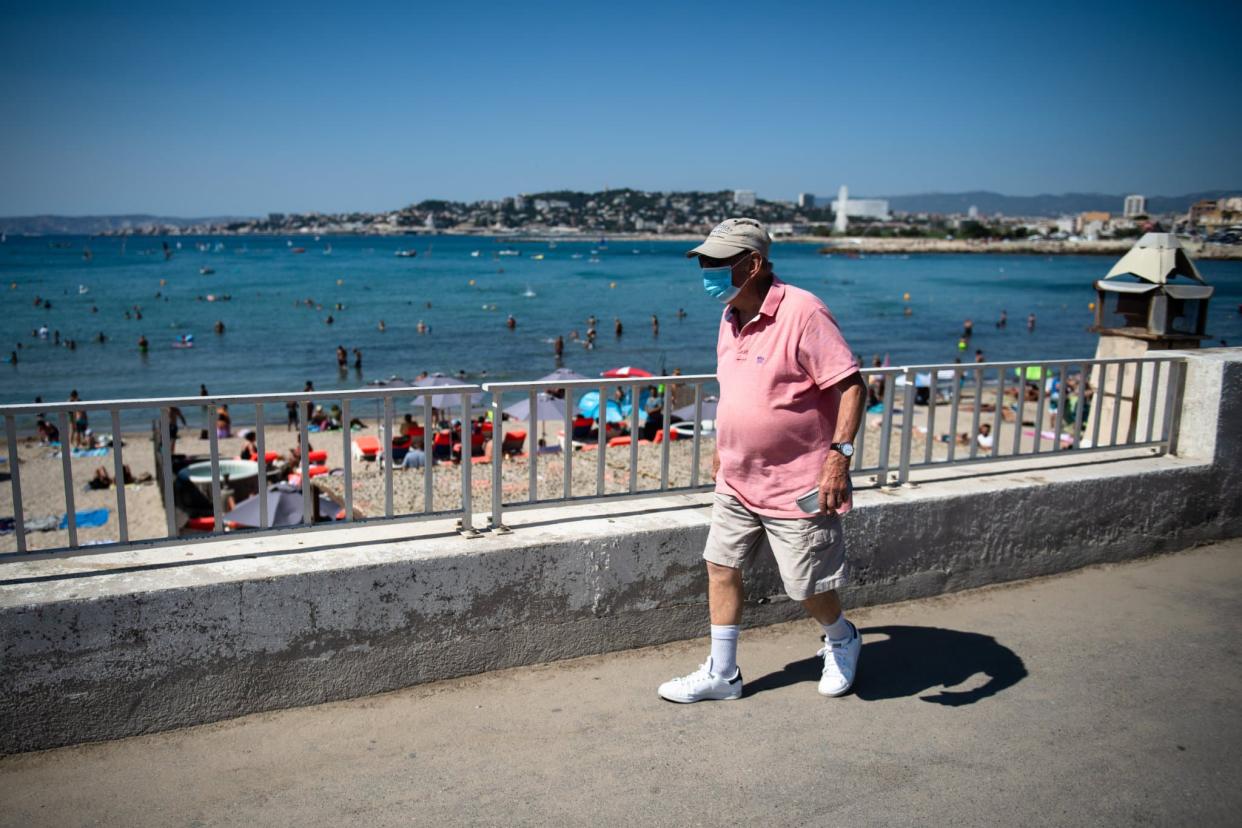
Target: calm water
[(272, 343)]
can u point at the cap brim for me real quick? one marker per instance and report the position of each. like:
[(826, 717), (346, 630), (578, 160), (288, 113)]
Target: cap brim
[(714, 249)]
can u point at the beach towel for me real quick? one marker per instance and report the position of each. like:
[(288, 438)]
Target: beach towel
[(1066, 439), (42, 523), (88, 517), (91, 452)]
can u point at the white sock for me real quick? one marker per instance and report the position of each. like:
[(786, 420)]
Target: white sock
[(839, 630), (724, 649)]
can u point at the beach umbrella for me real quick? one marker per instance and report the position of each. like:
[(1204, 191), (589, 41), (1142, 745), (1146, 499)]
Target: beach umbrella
[(284, 507), (445, 400), (546, 408), (627, 371), (686, 412), (588, 406), (562, 374)]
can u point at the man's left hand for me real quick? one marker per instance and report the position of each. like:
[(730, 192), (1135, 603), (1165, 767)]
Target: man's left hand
[(834, 482)]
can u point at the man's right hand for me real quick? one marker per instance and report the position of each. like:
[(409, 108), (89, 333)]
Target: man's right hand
[(715, 464)]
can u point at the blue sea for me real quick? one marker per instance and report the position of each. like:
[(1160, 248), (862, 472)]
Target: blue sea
[(273, 341)]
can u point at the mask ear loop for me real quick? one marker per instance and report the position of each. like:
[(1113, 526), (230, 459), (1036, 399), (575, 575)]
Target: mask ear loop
[(750, 278)]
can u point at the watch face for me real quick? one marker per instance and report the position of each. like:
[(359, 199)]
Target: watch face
[(846, 448)]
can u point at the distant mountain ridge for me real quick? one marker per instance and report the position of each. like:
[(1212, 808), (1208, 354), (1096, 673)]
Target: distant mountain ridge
[(1046, 205), (53, 225)]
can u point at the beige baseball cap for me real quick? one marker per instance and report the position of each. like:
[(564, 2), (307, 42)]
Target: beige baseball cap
[(733, 236)]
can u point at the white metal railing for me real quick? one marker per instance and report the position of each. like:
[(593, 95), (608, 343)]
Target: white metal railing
[(1096, 406)]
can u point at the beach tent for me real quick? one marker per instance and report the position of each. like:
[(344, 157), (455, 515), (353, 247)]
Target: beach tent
[(588, 406)]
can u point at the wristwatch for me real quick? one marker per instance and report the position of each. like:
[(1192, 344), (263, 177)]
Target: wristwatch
[(846, 448)]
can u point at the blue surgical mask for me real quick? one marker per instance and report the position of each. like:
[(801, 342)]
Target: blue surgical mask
[(718, 282)]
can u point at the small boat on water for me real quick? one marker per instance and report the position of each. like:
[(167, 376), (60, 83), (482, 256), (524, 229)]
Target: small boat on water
[(509, 252), (406, 254), (206, 271), (83, 289), (299, 250), (474, 254), (538, 257)]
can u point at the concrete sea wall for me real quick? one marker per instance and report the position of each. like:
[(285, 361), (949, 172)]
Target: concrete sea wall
[(101, 647)]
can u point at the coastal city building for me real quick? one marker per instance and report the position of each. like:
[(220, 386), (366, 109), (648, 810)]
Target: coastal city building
[(1213, 214), (806, 201), (838, 208), (744, 198), (1135, 205), (870, 208)]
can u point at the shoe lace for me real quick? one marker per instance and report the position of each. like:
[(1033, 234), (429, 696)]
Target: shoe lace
[(828, 652), (701, 674)]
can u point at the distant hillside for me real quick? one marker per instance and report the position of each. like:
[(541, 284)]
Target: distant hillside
[(1039, 205), (87, 225)]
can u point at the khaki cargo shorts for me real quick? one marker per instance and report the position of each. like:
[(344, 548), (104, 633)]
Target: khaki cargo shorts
[(809, 552)]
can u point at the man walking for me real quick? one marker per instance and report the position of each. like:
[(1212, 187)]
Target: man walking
[(791, 399)]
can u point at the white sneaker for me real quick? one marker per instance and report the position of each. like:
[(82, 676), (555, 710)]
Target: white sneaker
[(840, 664), (702, 685)]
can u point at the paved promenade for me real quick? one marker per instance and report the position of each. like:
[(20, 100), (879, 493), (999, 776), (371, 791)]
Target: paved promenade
[(1104, 697)]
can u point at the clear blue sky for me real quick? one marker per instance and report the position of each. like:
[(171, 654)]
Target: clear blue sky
[(218, 109)]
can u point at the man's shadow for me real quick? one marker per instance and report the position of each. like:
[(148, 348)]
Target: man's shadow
[(908, 661)]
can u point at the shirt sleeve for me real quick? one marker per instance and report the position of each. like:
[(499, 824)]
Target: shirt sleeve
[(823, 352)]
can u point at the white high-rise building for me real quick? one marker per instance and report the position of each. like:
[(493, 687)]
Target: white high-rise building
[(972, 213), (744, 198), (872, 208), (806, 201), (1135, 205), (841, 224)]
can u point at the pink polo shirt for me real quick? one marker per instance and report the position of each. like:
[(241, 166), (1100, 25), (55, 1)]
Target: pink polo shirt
[(777, 410)]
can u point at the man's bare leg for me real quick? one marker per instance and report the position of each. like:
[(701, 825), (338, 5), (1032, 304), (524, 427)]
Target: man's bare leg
[(724, 594), (824, 608)]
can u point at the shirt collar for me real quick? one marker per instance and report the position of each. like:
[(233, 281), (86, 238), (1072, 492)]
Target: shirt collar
[(776, 292)]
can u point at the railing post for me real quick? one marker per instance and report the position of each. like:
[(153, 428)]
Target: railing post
[(170, 502), (66, 452), (260, 434), (15, 479), (118, 471), (496, 524), (907, 430), (886, 427), (348, 458), (467, 465)]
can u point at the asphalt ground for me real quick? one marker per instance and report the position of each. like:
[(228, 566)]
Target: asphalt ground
[(1108, 696)]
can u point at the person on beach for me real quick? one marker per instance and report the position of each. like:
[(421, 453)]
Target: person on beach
[(791, 399), (250, 446), (1030, 322), (342, 358), (174, 417), (224, 422), (48, 432), (80, 438), (357, 359), (1003, 321), (291, 416)]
